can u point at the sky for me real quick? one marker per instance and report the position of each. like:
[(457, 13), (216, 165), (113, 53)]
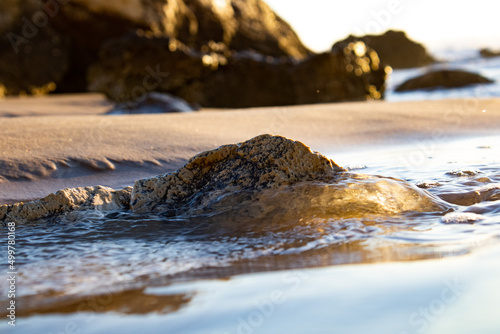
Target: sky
[(439, 24)]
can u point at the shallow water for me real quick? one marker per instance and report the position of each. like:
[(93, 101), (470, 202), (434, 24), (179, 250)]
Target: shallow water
[(468, 60), (105, 264)]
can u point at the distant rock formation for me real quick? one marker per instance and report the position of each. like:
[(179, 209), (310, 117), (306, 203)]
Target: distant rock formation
[(443, 79), (265, 180), (219, 77), (153, 103), (488, 53), (394, 48), (73, 32)]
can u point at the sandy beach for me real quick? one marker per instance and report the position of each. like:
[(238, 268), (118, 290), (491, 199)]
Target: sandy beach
[(50, 143), (263, 166)]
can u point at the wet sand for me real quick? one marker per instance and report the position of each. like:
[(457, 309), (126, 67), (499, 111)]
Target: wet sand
[(49, 143)]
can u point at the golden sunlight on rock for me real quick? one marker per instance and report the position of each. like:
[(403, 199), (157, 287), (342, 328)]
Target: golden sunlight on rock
[(374, 93), (359, 49), (375, 60), (43, 90), (222, 5)]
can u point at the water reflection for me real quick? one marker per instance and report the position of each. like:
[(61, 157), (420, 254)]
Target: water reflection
[(135, 301)]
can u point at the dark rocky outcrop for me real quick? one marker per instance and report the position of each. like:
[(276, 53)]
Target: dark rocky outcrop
[(34, 57), (443, 79), (394, 48), (219, 77), (234, 53), (266, 180), (239, 24), (488, 53)]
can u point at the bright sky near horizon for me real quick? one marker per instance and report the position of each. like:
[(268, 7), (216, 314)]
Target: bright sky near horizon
[(438, 24)]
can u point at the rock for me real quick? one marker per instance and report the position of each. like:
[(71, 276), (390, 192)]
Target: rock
[(153, 103), (488, 53), (266, 181), (264, 162), (34, 58), (243, 25), (219, 77), (65, 201), (239, 24), (443, 79), (272, 179), (10, 14), (275, 180), (489, 192), (352, 74), (394, 48)]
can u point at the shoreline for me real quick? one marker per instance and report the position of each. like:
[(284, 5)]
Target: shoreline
[(55, 142)]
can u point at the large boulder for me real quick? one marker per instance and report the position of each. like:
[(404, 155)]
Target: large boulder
[(394, 48), (443, 79), (132, 65), (488, 53), (239, 24), (34, 57), (265, 181)]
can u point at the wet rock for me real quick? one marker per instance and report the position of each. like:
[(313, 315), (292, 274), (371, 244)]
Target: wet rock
[(489, 192), (218, 77), (265, 181), (442, 79), (488, 53), (264, 162), (394, 48), (463, 172), (273, 179), (428, 184), (66, 201), (153, 103)]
